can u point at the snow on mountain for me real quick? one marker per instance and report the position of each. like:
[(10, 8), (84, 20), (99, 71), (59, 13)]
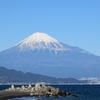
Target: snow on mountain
[(41, 41)]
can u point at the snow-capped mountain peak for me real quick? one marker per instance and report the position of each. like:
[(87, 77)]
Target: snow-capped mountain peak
[(39, 41), (42, 54), (39, 37)]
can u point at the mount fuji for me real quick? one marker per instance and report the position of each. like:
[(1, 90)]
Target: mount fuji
[(41, 54)]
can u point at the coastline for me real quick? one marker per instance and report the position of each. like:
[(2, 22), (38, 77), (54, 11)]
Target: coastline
[(19, 84)]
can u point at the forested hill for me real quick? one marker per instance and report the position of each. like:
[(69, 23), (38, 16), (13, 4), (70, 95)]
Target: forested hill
[(10, 76)]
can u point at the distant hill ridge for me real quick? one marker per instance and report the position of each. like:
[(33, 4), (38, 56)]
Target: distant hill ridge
[(13, 76)]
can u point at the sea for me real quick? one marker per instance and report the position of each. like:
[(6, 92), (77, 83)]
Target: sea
[(84, 92)]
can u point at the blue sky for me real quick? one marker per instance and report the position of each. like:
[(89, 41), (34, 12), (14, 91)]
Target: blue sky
[(75, 22)]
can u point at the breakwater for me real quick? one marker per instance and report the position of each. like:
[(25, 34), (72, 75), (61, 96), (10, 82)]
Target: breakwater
[(37, 90)]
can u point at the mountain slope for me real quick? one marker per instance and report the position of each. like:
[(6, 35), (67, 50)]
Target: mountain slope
[(45, 55)]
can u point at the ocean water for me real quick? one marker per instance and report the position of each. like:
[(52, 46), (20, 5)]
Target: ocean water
[(85, 92)]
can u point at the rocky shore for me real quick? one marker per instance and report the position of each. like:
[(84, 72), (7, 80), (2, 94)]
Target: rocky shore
[(37, 90)]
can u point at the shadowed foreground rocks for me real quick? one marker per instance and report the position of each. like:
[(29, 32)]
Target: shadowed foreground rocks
[(37, 90)]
